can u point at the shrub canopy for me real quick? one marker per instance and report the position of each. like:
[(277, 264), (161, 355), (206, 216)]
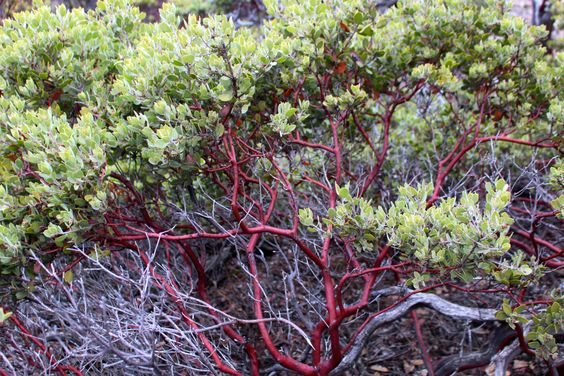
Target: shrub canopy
[(341, 131)]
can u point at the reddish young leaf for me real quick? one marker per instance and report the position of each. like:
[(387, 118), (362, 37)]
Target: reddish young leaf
[(55, 95), (497, 115), (340, 68)]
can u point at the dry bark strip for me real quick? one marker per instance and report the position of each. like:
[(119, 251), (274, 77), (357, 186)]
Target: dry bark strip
[(416, 300)]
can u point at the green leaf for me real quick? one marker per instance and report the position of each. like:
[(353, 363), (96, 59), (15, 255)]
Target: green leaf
[(188, 59), (68, 276), (366, 31), (369, 237), (506, 308), (219, 130), (343, 192), (291, 112), (500, 185), (226, 96), (4, 315), (306, 216), (21, 294), (358, 18), (52, 230)]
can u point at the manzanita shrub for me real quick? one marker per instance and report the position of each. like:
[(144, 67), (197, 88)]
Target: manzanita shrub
[(345, 163)]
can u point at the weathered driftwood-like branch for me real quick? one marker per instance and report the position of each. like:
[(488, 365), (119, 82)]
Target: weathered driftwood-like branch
[(502, 360), (420, 299)]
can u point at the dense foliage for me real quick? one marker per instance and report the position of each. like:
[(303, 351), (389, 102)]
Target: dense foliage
[(377, 155)]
